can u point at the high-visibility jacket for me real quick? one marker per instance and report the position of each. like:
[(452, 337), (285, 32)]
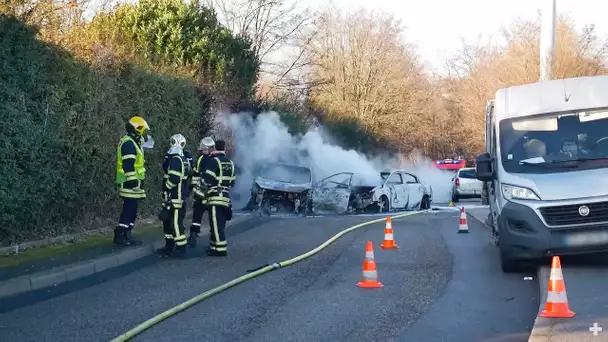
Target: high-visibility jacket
[(219, 175), (176, 181), (130, 170)]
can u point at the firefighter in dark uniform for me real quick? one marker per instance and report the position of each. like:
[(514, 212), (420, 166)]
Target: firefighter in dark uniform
[(206, 146), (188, 162), (130, 174), (175, 193), (218, 174)]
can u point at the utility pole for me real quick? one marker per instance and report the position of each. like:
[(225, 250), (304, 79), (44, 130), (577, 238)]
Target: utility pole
[(547, 39)]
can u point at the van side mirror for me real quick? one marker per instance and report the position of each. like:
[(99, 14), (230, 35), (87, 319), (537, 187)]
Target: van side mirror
[(483, 167)]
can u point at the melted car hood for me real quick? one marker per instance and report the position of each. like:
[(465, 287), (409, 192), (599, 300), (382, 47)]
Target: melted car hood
[(269, 184)]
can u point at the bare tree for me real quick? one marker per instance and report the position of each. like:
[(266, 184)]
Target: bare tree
[(478, 71), (362, 68), (52, 17), (274, 26)]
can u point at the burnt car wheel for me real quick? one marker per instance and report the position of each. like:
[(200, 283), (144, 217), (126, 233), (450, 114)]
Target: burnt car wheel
[(383, 205), (265, 208), (425, 203)]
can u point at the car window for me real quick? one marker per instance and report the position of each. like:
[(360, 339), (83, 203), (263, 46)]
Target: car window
[(394, 179), (470, 174), (408, 178), (338, 181)]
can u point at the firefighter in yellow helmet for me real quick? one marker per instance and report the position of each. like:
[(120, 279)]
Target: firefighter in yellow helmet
[(130, 174)]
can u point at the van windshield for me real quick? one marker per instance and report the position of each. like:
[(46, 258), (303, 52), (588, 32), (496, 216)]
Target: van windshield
[(555, 142)]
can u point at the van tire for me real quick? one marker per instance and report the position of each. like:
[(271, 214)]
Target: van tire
[(455, 198)]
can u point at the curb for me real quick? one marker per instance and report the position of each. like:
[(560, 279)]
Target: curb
[(67, 273), (543, 327), (63, 239), (60, 275)]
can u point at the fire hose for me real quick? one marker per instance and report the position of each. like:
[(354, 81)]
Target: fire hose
[(250, 275)]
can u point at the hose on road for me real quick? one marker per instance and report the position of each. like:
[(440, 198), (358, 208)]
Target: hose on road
[(253, 274)]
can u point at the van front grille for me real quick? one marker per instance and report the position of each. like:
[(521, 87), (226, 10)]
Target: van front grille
[(565, 215)]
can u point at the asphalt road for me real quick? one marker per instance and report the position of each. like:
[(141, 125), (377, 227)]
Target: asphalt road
[(586, 281), (439, 286)]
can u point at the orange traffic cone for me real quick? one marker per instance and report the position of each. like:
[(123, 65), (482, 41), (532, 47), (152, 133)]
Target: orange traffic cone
[(463, 227), (557, 300), (369, 277), (369, 251), (389, 239)]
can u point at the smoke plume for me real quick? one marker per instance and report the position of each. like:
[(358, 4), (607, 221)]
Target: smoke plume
[(266, 139)]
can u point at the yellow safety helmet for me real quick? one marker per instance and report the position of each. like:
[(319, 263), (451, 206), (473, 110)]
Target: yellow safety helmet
[(139, 124)]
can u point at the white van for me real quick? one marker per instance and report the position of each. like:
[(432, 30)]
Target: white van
[(546, 164)]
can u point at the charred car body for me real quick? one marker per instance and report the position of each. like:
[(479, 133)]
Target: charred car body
[(397, 190), (281, 188)]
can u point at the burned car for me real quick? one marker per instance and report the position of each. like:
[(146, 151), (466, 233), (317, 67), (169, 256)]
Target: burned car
[(345, 193), (281, 188)]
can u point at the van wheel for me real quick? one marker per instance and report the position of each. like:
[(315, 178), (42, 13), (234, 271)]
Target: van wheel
[(455, 198)]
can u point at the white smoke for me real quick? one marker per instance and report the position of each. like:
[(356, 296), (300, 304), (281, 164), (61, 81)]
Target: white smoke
[(266, 139)]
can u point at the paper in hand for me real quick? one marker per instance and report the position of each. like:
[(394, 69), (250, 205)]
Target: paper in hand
[(149, 144)]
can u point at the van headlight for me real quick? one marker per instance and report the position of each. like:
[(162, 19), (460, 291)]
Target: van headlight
[(518, 192)]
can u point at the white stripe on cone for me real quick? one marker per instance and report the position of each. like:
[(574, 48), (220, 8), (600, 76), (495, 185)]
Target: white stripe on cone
[(557, 297), (370, 275), (556, 274)]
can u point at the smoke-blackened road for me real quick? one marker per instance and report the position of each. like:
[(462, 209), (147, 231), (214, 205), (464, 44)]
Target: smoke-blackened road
[(437, 277)]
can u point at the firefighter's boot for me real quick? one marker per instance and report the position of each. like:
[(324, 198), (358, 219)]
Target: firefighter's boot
[(181, 252), (192, 240), (120, 237), (129, 237), (166, 251), (214, 253)]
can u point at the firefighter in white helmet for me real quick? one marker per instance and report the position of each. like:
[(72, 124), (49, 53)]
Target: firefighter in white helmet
[(199, 189), (175, 194)]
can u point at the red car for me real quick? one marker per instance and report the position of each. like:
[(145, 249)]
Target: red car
[(450, 164)]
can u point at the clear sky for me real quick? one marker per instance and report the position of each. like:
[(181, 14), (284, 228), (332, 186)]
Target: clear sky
[(437, 26)]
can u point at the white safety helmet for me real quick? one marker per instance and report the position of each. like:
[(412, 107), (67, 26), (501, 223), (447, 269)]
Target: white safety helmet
[(206, 142), (177, 142)]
